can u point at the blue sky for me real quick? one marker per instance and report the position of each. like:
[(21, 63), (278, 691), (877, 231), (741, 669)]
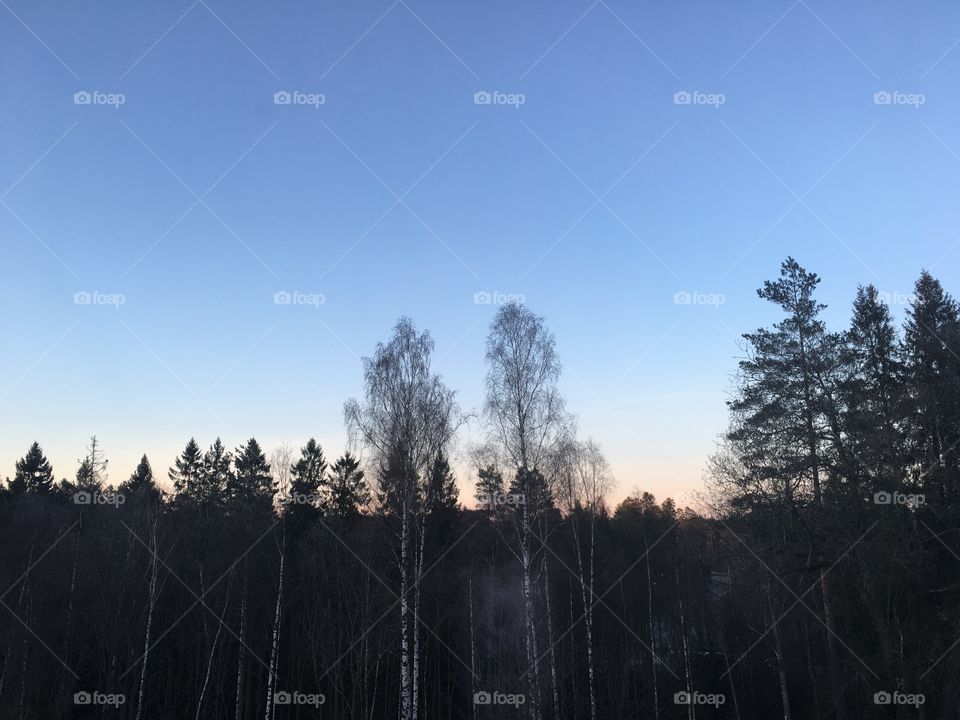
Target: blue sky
[(598, 198)]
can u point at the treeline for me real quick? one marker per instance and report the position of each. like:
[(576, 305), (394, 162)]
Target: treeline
[(821, 580)]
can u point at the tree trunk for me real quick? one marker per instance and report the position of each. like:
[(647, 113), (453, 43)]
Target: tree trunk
[(778, 650), (151, 604), (587, 611), (213, 650), (406, 695), (275, 644), (553, 657), (653, 646), (239, 704), (691, 708), (533, 671), (473, 647)]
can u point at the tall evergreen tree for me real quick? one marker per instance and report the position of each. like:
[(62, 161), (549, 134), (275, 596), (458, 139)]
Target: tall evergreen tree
[(348, 488), (251, 481), (86, 478), (308, 477), (187, 472), (141, 483), (788, 421), (932, 347), (442, 489), (490, 486), (786, 415), (873, 397), (217, 472), (33, 472), (309, 472)]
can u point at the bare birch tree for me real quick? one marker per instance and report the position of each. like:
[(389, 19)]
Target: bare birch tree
[(525, 421), (407, 419)]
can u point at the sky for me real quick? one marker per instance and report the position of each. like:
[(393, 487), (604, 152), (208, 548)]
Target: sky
[(171, 174)]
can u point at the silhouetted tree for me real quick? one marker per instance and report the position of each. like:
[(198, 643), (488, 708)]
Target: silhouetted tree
[(251, 481), (348, 489), (33, 472)]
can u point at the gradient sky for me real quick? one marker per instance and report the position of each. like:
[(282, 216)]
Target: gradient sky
[(598, 199)]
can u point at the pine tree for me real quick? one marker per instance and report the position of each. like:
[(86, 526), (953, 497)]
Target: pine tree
[(308, 476), (33, 472), (309, 472), (251, 481), (217, 472), (873, 394), (490, 487), (788, 422), (786, 418), (931, 346), (530, 489), (187, 473), (141, 483), (442, 493), (348, 489), (86, 478)]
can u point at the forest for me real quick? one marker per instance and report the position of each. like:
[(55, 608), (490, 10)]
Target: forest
[(819, 578)]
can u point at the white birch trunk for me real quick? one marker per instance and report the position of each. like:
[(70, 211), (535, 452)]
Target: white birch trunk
[(275, 644), (213, 649), (691, 708), (151, 603), (532, 665), (406, 697), (240, 655), (415, 680), (553, 657), (653, 646), (473, 648), (587, 610)]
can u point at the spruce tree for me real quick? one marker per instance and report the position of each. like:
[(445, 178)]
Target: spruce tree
[(217, 473), (490, 486), (931, 346), (442, 493), (33, 472), (308, 476), (141, 483), (187, 472), (308, 472), (347, 488), (251, 481), (873, 397)]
